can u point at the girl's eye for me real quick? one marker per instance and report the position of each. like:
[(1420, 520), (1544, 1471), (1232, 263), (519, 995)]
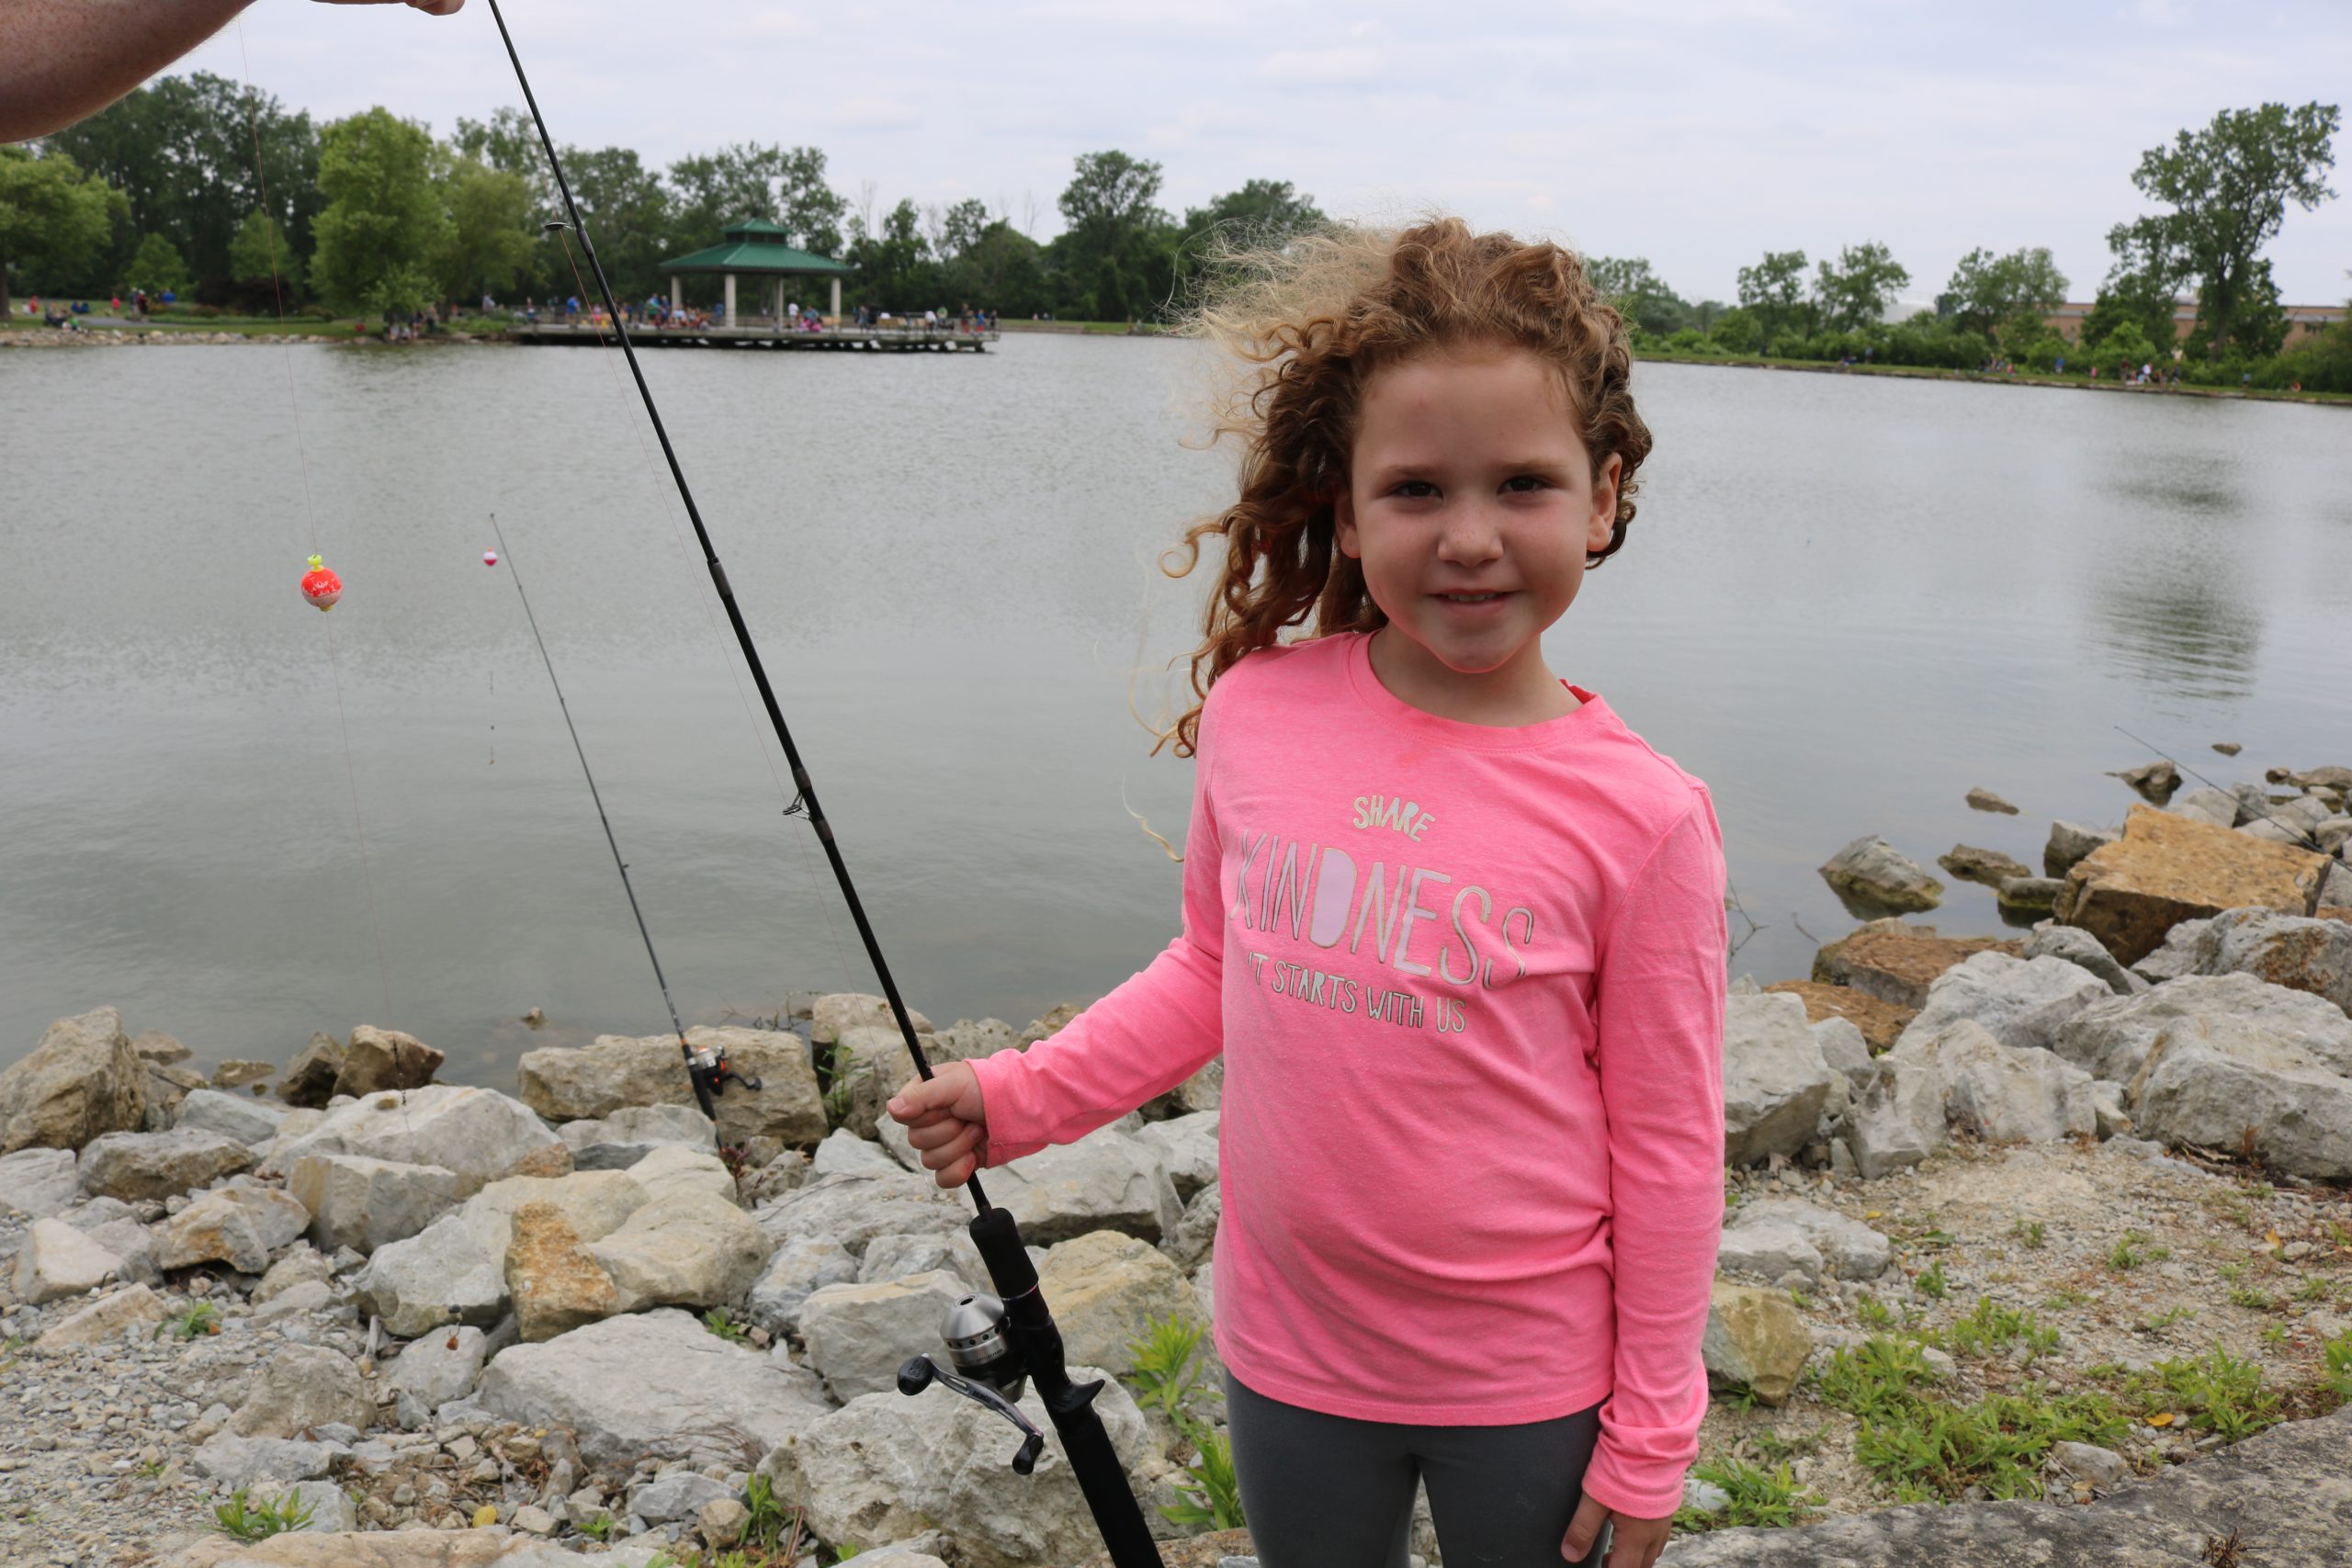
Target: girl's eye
[(1526, 482), (1415, 489)]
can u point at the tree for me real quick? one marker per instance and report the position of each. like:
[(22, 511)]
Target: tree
[(785, 186), (259, 254), (53, 218), (385, 230), (156, 266), (1119, 249), (1773, 291), (628, 214), (183, 152), (1855, 289), (493, 242), (2228, 185), (892, 270), (1261, 213), (1003, 269), (2005, 296), (961, 226), (1634, 287)]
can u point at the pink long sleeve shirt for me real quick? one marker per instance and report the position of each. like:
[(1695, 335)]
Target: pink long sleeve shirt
[(1469, 984)]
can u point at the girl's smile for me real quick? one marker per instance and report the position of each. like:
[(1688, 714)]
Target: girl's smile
[(1470, 504)]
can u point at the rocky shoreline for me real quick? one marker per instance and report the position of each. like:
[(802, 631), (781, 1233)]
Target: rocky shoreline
[(2050, 1232)]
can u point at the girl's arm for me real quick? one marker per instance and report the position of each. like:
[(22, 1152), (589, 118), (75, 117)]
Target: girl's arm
[(1159, 1027), (1660, 1001)]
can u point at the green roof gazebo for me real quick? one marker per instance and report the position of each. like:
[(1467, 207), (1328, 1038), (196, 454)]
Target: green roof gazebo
[(756, 247)]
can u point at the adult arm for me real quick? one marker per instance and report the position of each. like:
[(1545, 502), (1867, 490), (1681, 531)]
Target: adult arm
[(1661, 1005), (65, 60)]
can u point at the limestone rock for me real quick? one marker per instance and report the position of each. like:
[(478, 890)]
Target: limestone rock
[(1985, 800), (1775, 1082), (2287, 950), (308, 1079), (901, 1257), (1046, 1027), (844, 1150), (251, 1122), (2021, 1002), (38, 1182), (102, 1320), (57, 1261), (1988, 868), (655, 1383), (1106, 1288), (366, 1203), (1843, 1047), (244, 1463), (801, 1267), (858, 1335), (830, 1017), (556, 1285), (2180, 956), (1896, 962), (2102, 1468), (965, 1040), (166, 1087), (1188, 1145), (1204, 1091), (1846, 1248), (869, 1064), (2027, 895), (1755, 1340), (237, 1225), (441, 1367), (2216, 806), (673, 1170), (403, 1549), (676, 1494), (873, 1471), (475, 1134), (2078, 947), (159, 1049), (2168, 869), (302, 1386), (132, 1166), (379, 1059), (2226, 1084), (1880, 1022), (236, 1073), (2004, 1093), (1872, 873), (2111, 1039), (1106, 1180), (2282, 1495), (1189, 1245), (627, 1136), (2070, 841), (297, 1266), (1897, 1119), (81, 1080), (591, 1082), (857, 1206), (2154, 781), (697, 1251), (454, 1270)]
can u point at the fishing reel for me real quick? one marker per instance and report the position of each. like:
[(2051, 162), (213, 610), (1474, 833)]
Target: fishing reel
[(711, 1073), (989, 1371)]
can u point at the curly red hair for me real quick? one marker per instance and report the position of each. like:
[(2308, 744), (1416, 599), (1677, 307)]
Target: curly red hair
[(1308, 326)]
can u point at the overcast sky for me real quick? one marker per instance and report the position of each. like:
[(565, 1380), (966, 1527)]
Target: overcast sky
[(1698, 133)]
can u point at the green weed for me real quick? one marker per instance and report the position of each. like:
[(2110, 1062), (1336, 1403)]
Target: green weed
[(2066, 1298), (769, 1516), (2314, 1289), (2029, 1232), (1994, 1329), (2220, 1393), (1775, 1448), (2158, 1321), (726, 1327), (249, 1520), (597, 1526), (2126, 1253), (1930, 1281), (2337, 1378), (1212, 1494), (1769, 1498), (1874, 1313), (2250, 1298), (201, 1317), (1922, 1448), (1168, 1370)]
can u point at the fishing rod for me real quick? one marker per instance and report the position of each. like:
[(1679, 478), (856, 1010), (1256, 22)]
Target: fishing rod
[(2302, 838), (1008, 1337), (705, 1065)]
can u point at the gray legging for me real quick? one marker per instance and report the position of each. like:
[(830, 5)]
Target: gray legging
[(1332, 1492)]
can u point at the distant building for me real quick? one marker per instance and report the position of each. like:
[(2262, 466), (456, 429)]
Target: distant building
[(2303, 320)]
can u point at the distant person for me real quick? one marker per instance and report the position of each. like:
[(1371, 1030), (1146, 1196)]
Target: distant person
[(1513, 1315), (62, 62)]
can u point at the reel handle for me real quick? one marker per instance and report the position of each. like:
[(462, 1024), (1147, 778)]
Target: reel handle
[(920, 1372)]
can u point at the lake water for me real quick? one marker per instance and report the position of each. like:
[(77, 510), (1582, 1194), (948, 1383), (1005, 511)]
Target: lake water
[(1846, 602)]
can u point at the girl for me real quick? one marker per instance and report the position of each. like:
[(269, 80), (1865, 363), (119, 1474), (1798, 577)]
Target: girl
[(1458, 933)]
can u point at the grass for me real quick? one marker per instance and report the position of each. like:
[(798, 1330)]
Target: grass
[(248, 1520), (1874, 1313), (2126, 1253), (1769, 1498), (2246, 1296), (2030, 1232), (2024, 379), (2157, 1321), (1922, 1448), (727, 1328), (2315, 1289), (1930, 1281)]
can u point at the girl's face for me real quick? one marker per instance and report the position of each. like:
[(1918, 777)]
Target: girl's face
[(1471, 503)]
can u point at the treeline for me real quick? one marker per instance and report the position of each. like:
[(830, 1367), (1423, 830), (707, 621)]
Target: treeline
[(198, 184), (2228, 185)]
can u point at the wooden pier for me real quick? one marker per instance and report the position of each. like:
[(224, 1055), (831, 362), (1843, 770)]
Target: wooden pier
[(763, 334)]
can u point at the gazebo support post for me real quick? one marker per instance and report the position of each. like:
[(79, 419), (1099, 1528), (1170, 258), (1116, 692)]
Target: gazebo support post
[(837, 299), (730, 300)]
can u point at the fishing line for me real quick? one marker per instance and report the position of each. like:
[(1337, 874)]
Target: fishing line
[(2302, 838), (805, 793), (506, 554), (310, 512)]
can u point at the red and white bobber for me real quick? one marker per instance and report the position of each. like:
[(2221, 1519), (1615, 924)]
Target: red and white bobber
[(320, 586)]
